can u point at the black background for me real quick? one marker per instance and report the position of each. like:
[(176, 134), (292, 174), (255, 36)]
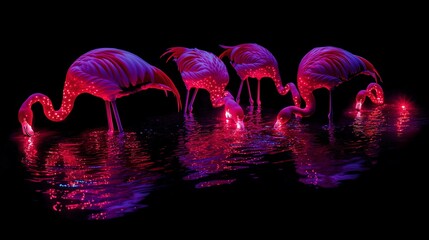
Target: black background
[(40, 45)]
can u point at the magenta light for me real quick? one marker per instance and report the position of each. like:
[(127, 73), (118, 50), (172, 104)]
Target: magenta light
[(251, 60), (106, 73), (204, 70), (374, 92), (105, 175), (328, 67)]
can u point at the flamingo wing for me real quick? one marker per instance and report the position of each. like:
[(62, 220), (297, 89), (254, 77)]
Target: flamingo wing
[(196, 64), (248, 58), (334, 64), (110, 73)]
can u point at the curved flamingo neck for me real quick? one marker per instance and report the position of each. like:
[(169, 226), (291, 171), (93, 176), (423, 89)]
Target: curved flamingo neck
[(48, 109), (278, 83), (296, 97), (310, 106), (374, 92), (286, 113), (217, 96)]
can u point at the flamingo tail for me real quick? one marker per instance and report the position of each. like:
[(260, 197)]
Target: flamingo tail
[(370, 70), (174, 52), (227, 52)]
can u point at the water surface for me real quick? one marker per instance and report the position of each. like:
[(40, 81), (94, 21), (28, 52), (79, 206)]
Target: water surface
[(93, 175)]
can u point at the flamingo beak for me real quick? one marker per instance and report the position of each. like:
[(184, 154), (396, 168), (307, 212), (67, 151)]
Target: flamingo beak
[(278, 124), (27, 129), (358, 105), (240, 124)]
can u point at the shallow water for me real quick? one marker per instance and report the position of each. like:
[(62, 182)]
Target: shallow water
[(93, 175)]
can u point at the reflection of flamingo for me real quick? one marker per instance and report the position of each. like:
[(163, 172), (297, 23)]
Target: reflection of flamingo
[(103, 175), (107, 73), (202, 69), (251, 60), (327, 67)]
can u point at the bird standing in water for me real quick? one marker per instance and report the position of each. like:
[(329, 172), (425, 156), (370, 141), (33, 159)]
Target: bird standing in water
[(201, 69), (107, 73), (251, 60), (327, 67)]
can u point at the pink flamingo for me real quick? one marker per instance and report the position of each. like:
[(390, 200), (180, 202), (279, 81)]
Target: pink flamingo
[(327, 67), (107, 73), (251, 60), (204, 70)]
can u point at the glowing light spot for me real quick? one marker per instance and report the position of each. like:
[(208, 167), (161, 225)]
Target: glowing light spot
[(228, 114)]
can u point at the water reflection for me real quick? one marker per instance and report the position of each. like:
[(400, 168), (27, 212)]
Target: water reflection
[(214, 153), (402, 124), (101, 174)]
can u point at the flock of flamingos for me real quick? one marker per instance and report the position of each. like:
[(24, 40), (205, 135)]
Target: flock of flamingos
[(110, 73)]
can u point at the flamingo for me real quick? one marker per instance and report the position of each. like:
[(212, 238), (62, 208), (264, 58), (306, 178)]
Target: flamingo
[(107, 73), (201, 69), (327, 67), (251, 60)]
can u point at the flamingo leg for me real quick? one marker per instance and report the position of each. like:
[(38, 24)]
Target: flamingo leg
[(186, 102), (250, 93), (118, 120), (239, 91), (109, 116), (258, 100), (331, 113), (192, 100)]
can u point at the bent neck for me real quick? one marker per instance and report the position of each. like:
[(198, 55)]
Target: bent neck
[(48, 109)]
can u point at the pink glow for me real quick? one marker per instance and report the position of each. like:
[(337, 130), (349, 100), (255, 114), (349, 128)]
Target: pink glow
[(374, 92), (106, 73), (234, 111), (404, 104), (110, 184), (322, 165), (204, 70), (404, 111), (327, 67), (251, 60)]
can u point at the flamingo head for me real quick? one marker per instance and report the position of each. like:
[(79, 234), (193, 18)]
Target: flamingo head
[(25, 117), (283, 117), (360, 99), (234, 111)]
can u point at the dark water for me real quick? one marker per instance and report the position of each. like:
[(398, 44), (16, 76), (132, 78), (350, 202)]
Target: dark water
[(200, 166)]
